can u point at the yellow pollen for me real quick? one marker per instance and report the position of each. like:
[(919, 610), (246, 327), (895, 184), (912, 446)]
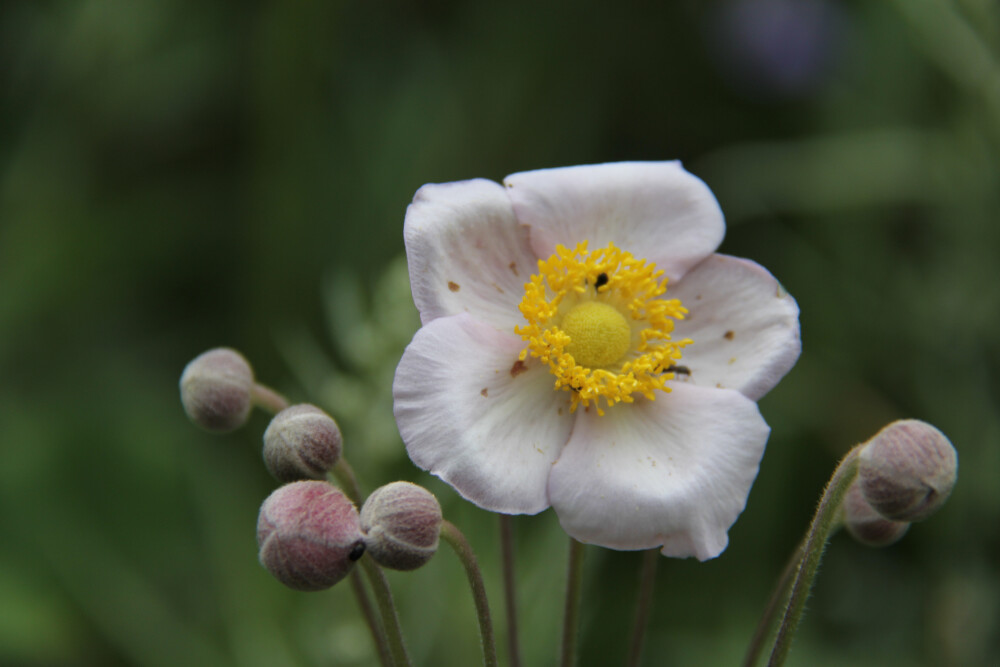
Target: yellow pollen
[(599, 334), (598, 320)]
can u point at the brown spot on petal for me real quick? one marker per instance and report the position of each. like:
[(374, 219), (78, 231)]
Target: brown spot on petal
[(485, 392), (513, 267), (498, 288), (518, 368), (453, 286), (728, 335)]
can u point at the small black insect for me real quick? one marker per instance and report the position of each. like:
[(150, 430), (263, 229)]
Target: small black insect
[(601, 281), (679, 370), (357, 552)]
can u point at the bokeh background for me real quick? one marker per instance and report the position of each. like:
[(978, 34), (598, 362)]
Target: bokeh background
[(177, 175)]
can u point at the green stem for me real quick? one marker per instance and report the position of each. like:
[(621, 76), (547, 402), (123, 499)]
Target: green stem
[(387, 609), (454, 537), (571, 613), (510, 593), (344, 474), (823, 523), (644, 603), (778, 596), (374, 626), (268, 399)]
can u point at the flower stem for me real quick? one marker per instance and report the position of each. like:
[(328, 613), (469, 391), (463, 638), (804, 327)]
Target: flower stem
[(778, 595), (374, 626), (823, 523), (571, 614), (388, 636), (510, 593), (344, 474), (647, 580), (387, 609), (267, 399), (454, 537)]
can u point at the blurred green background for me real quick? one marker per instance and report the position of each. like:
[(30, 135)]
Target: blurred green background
[(177, 175)]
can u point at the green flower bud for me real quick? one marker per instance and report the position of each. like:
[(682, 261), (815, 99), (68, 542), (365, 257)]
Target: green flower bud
[(301, 442), (866, 525), (216, 390), (309, 535), (907, 470), (402, 523)]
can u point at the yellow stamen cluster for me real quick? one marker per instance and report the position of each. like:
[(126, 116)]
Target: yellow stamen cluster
[(609, 301)]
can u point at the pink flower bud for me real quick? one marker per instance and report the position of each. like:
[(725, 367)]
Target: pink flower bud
[(402, 523), (301, 442), (309, 535), (216, 390), (907, 470), (866, 525)]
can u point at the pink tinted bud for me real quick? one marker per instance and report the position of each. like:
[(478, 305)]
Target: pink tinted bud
[(866, 525), (301, 442), (309, 535), (216, 390), (907, 470), (402, 523)]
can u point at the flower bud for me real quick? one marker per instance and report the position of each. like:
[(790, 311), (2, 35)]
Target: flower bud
[(866, 525), (402, 523), (907, 470), (301, 442), (216, 390), (309, 535)]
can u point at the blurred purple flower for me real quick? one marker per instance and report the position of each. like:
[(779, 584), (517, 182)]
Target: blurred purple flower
[(777, 47)]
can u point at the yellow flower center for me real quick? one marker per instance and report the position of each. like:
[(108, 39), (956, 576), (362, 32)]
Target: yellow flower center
[(599, 335), (597, 319)]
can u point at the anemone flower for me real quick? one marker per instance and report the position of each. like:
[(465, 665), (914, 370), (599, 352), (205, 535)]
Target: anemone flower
[(583, 347)]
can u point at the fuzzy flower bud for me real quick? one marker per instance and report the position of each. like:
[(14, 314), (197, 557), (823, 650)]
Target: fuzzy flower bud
[(301, 442), (866, 525), (216, 390), (907, 470), (309, 535), (401, 522)]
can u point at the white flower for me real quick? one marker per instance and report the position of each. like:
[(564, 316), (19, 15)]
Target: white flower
[(554, 369)]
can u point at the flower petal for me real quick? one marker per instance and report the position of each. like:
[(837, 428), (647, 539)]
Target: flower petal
[(744, 325), (655, 210), (467, 252), (674, 472), (472, 414)]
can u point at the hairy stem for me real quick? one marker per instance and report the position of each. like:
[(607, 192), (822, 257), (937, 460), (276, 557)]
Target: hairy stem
[(267, 399), (509, 589), (387, 609), (644, 603), (571, 613), (823, 523), (778, 596), (454, 537), (344, 474), (371, 619)]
